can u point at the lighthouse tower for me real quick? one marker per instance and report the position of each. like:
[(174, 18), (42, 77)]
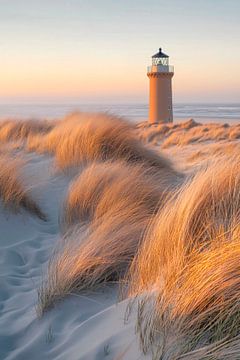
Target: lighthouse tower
[(160, 97)]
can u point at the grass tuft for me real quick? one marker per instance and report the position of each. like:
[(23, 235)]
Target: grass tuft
[(13, 193), (187, 273), (107, 210)]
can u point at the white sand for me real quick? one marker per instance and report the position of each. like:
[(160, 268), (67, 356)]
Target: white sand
[(88, 326)]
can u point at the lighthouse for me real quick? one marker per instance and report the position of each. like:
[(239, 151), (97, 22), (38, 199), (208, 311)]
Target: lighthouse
[(160, 74)]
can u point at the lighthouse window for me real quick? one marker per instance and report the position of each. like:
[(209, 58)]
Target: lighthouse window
[(160, 61)]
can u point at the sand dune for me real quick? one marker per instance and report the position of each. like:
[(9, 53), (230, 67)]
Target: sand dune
[(82, 138), (107, 209), (13, 193), (192, 278), (186, 133), (120, 218), (13, 130)]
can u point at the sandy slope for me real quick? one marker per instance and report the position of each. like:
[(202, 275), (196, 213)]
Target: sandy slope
[(88, 326)]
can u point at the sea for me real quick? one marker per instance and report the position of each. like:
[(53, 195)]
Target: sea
[(224, 112)]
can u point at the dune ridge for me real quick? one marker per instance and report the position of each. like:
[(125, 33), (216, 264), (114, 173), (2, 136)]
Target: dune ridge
[(13, 193), (82, 138), (185, 133), (19, 130), (105, 214), (187, 270)]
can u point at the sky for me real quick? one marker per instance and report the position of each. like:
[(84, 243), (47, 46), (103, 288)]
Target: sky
[(98, 50)]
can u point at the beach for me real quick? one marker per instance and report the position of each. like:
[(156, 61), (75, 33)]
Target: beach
[(64, 257)]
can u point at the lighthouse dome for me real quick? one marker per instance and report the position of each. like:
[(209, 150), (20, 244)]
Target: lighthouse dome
[(160, 58), (160, 54)]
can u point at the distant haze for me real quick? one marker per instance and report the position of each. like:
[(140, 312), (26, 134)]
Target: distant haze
[(98, 51)]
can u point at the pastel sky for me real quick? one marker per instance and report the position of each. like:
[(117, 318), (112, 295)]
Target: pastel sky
[(98, 50)]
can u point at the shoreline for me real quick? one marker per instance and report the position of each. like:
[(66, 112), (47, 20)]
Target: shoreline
[(201, 120)]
